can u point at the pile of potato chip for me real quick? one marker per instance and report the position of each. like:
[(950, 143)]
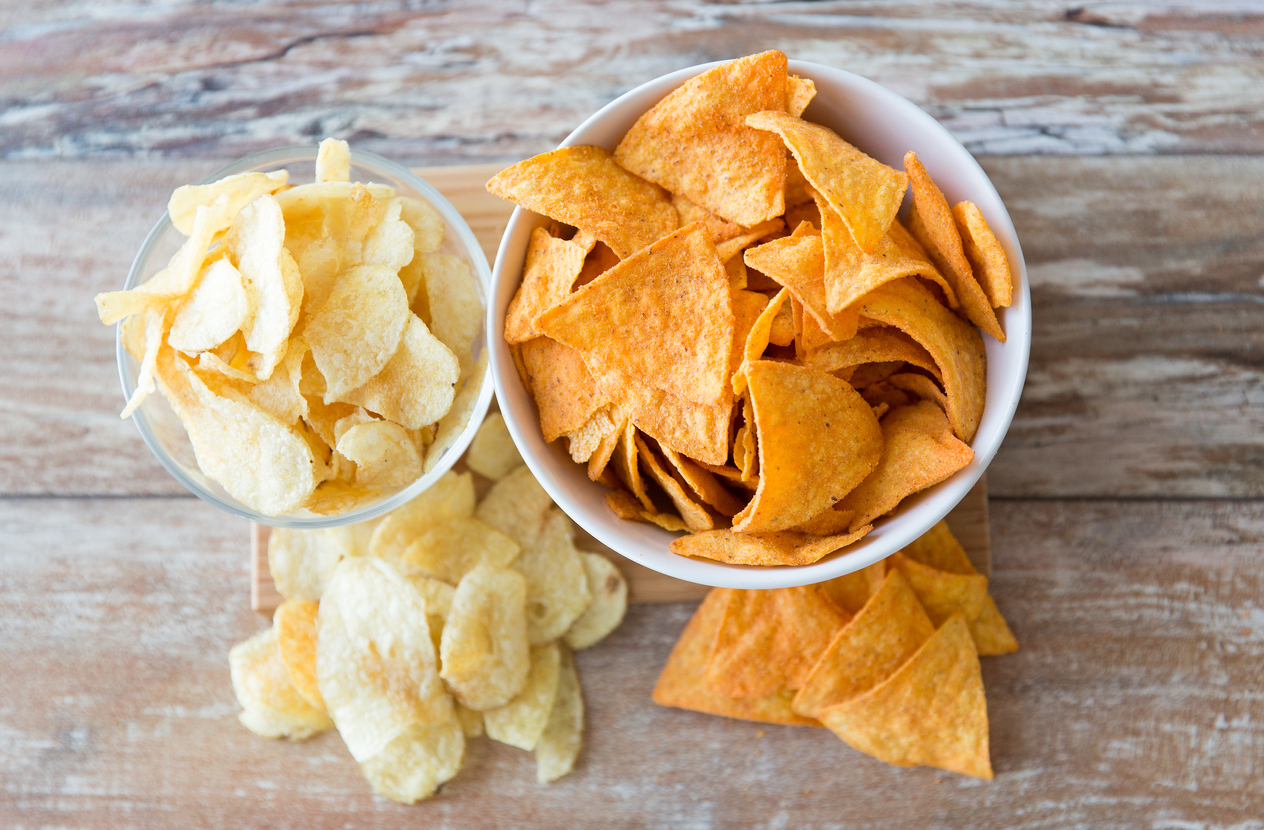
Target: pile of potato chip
[(887, 658), (313, 340), (739, 322), (444, 620)]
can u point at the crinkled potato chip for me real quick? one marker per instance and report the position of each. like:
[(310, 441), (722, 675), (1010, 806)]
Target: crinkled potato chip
[(417, 385), (806, 420), (333, 161), (390, 244), (428, 228), (609, 592), (484, 651), (558, 746), (212, 311), (384, 454), (782, 547), (566, 395), (356, 332), (557, 582), (413, 765), (280, 394), (456, 312), (450, 549), (864, 191), (492, 452), (696, 141), (584, 186), (295, 624), (931, 712), (522, 721), (919, 450), (552, 267), (240, 190), (984, 253), (271, 706), (516, 506)]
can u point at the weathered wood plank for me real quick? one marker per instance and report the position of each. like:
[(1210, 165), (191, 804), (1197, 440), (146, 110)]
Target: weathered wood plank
[(1133, 702), (495, 80)]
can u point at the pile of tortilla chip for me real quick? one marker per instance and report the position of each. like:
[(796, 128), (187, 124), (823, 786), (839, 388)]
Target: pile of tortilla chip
[(447, 619), (730, 327), (887, 658), (314, 340)]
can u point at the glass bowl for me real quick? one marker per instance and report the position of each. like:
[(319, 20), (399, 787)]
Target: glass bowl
[(162, 431)]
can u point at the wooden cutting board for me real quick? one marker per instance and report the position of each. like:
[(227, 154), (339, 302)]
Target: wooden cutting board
[(487, 216)]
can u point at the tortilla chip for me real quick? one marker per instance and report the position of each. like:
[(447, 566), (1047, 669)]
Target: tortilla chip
[(798, 263), (984, 253), (828, 522), (730, 248), (955, 345), (933, 226), (769, 640), (942, 594), (695, 515), (886, 632), (784, 547), (799, 93), (663, 317), (919, 450), (876, 344), (552, 267), (864, 191), (695, 141), (721, 229), (806, 421), (700, 482), (600, 260), (627, 465), (757, 339), (921, 386), (565, 393), (585, 187), (682, 683), (851, 591), (798, 191), (800, 215), (931, 712)]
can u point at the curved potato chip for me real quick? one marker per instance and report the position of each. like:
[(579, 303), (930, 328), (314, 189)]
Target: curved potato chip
[(552, 267), (302, 561), (471, 721), (516, 506), (413, 765), (557, 583), (456, 312), (522, 721), (240, 190), (417, 385), (609, 592), (558, 747), (452, 496), (280, 394), (212, 311), (357, 330), (783, 547), (383, 453), (272, 707), (146, 379), (427, 224), (449, 428), (273, 284), (984, 253), (333, 161), (492, 452), (485, 654), (584, 186), (449, 550), (295, 624), (390, 244), (695, 140)]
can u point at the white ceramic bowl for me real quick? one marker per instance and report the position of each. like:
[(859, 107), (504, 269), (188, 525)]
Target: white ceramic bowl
[(885, 126), (161, 429)]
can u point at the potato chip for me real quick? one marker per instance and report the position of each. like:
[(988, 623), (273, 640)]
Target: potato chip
[(769, 640), (456, 312), (485, 654), (240, 190), (557, 582), (955, 345), (452, 496), (806, 420), (383, 453), (210, 363), (492, 452), (295, 624), (146, 378), (333, 161), (390, 244), (471, 721), (449, 428), (864, 191), (691, 510), (413, 765), (919, 450), (272, 707), (334, 498), (558, 746), (798, 263), (375, 661), (933, 226), (450, 549), (357, 330), (921, 386), (428, 227), (984, 253), (695, 140), (584, 186), (583, 442), (438, 598), (942, 594), (516, 506), (522, 721), (609, 592), (212, 311), (280, 394), (799, 93), (876, 344), (887, 631), (273, 284), (930, 712), (783, 547), (682, 683), (757, 339), (663, 317), (606, 446), (416, 387), (552, 267)]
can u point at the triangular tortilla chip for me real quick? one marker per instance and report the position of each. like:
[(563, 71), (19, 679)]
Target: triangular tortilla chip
[(784, 547), (850, 592), (696, 142), (876, 344), (552, 267), (691, 510), (769, 640), (955, 345), (798, 263), (934, 228), (942, 594), (584, 187), (730, 248), (757, 339), (931, 712), (682, 682), (888, 630), (565, 393), (828, 522), (702, 483), (984, 252), (864, 191), (919, 450), (663, 317), (818, 440), (721, 229), (799, 93)]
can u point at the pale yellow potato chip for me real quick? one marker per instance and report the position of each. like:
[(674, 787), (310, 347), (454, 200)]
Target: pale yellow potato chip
[(273, 284), (471, 721), (450, 549), (209, 362), (413, 765), (375, 661), (452, 496), (417, 385), (334, 498), (240, 190), (302, 561), (456, 312), (516, 506), (390, 244), (146, 379), (557, 583), (583, 442), (333, 161), (272, 707), (492, 452), (384, 454), (212, 311), (427, 224), (438, 597), (559, 744), (609, 592), (522, 720), (353, 539), (450, 426), (280, 394), (357, 330), (295, 625), (484, 651)]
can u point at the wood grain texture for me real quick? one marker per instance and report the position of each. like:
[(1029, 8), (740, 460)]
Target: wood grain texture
[(501, 80), (1133, 701)]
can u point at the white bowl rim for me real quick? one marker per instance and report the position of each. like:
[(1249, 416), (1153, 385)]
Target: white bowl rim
[(302, 153), (930, 505)]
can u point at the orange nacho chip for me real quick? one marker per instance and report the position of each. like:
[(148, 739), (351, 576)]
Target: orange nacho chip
[(696, 142), (682, 683), (799, 93), (806, 420), (851, 591), (702, 483), (921, 386), (552, 267), (984, 253), (876, 344), (600, 260), (942, 594), (919, 450), (798, 263), (864, 191), (931, 712), (695, 515), (769, 640), (784, 547), (565, 393), (663, 317), (584, 187)]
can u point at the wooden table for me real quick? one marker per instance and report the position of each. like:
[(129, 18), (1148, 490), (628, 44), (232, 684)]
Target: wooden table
[(1127, 503)]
